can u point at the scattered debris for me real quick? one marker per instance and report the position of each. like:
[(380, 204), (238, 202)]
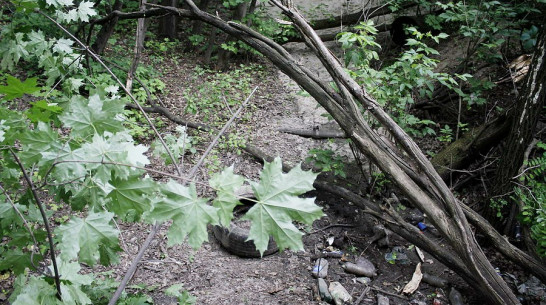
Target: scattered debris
[(382, 300), (323, 291), (533, 288), (412, 285), (320, 269), (397, 255), (415, 216), (340, 295), (455, 297), (363, 280), (435, 280), (420, 254), (362, 267)]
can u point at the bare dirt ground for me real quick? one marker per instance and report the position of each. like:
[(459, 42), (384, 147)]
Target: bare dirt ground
[(216, 277)]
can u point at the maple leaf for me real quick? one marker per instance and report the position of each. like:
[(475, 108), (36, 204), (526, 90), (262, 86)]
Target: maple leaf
[(63, 46), (16, 260), (83, 237), (35, 291), (85, 10), (225, 184), (131, 197), (37, 142), (86, 117), (72, 281), (42, 111), (278, 205), (15, 88), (190, 214)]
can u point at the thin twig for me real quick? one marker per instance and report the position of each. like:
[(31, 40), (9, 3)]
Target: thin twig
[(46, 223), (332, 226), (134, 265), (389, 293)]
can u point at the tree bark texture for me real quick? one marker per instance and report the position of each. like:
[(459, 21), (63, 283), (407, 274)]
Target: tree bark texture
[(524, 118), (139, 45), (106, 30), (167, 24), (405, 163), (475, 142)]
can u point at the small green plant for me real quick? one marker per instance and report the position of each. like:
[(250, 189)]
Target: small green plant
[(327, 161), (234, 141), (529, 38), (137, 126), (220, 93), (498, 204), (178, 144), (532, 196), (446, 134), (380, 182), (396, 86)]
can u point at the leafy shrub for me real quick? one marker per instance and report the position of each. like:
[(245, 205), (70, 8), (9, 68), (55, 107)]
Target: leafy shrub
[(532, 196)]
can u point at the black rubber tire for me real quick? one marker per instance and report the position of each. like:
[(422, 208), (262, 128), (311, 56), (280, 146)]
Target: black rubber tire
[(234, 241)]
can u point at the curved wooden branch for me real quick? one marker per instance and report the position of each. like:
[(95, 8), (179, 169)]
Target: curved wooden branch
[(315, 134)]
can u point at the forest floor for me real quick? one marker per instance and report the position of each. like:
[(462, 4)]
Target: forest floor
[(216, 277), (213, 275)]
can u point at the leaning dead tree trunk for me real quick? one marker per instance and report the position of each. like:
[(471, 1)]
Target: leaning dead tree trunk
[(524, 117), (404, 163)]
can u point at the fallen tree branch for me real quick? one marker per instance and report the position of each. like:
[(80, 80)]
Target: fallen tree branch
[(315, 133), (355, 17)]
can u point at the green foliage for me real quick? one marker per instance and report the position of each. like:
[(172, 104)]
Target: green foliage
[(15, 88), (278, 204), (183, 296), (529, 38), (532, 196), (327, 161), (379, 182), (219, 92), (90, 239), (177, 144), (92, 163), (396, 86), (446, 134), (485, 23)]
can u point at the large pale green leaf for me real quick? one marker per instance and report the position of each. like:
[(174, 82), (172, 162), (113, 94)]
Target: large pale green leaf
[(72, 281), (131, 197), (95, 115), (278, 205), (91, 193), (35, 142), (35, 291), (190, 214), (225, 184), (115, 148), (81, 238)]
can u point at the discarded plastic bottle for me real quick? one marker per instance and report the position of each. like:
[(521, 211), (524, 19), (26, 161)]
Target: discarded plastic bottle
[(455, 297), (340, 294), (320, 270), (323, 291), (517, 232), (362, 267)]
